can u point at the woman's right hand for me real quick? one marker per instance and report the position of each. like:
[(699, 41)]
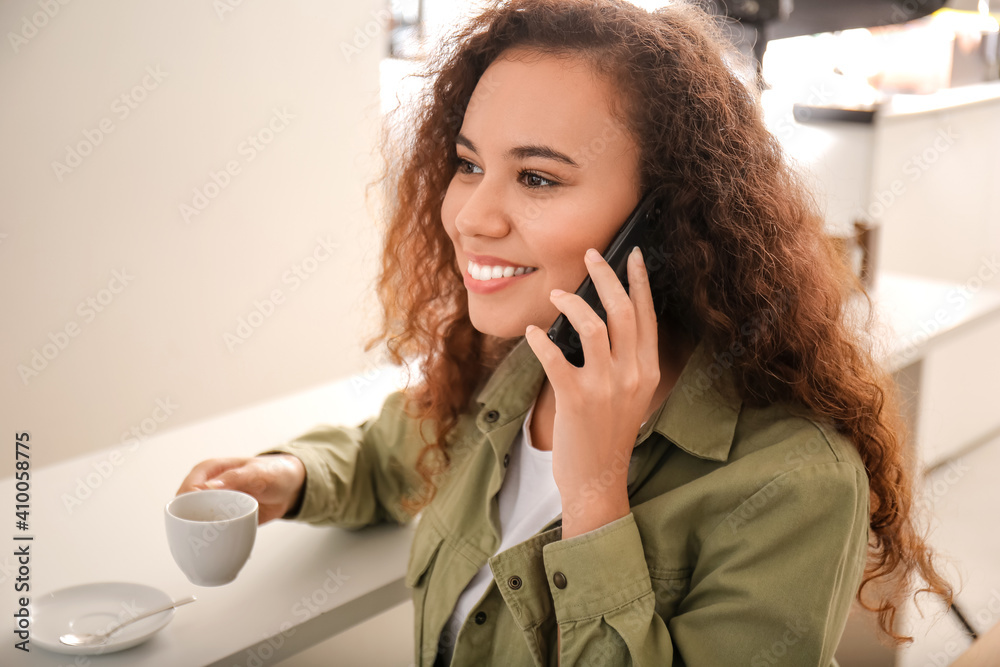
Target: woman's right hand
[(275, 480)]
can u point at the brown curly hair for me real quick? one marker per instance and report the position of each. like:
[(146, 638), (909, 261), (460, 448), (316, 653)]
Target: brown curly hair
[(746, 245)]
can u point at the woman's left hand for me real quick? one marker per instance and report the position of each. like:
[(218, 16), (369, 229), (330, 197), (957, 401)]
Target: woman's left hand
[(601, 405)]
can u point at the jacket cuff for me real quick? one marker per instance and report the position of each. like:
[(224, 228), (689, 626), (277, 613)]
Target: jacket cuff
[(594, 573)]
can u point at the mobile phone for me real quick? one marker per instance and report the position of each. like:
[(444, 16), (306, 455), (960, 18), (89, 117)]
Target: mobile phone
[(630, 235)]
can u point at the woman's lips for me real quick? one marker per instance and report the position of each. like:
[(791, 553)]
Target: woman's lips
[(493, 284)]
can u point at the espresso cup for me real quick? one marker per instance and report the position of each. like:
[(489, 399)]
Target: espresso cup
[(211, 534)]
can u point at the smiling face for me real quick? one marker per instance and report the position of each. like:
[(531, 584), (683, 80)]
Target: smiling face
[(545, 172)]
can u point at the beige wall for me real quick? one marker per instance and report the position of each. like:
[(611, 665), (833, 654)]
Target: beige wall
[(155, 98)]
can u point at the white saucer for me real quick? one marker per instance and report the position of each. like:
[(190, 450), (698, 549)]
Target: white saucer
[(95, 608)]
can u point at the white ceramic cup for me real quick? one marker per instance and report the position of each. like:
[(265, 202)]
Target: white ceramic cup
[(211, 534)]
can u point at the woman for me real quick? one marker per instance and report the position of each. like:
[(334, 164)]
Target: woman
[(727, 469)]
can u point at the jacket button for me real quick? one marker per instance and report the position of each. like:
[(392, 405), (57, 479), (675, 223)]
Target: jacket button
[(514, 582), (480, 618), (492, 416), (559, 579), (506, 460)]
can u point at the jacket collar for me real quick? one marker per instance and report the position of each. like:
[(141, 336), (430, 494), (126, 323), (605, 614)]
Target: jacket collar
[(699, 415)]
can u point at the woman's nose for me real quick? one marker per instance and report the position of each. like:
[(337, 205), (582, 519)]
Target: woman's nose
[(483, 213)]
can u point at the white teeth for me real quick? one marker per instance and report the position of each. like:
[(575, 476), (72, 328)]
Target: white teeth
[(481, 272)]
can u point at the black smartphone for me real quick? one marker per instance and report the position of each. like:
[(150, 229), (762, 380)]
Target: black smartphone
[(630, 235)]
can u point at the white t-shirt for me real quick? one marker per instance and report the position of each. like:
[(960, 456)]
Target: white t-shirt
[(528, 500)]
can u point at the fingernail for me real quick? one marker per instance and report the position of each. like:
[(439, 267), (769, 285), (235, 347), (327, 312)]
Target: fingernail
[(593, 255), (557, 292), (636, 254), (214, 484)]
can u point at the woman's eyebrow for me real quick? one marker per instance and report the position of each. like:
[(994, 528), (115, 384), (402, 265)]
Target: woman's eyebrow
[(523, 152)]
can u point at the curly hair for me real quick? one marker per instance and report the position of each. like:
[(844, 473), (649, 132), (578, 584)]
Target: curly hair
[(746, 245)]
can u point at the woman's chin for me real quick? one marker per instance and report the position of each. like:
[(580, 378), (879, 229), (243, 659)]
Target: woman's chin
[(491, 326), (499, 331), (503, 323)]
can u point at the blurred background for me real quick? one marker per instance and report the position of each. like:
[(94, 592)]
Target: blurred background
[(185, 230)]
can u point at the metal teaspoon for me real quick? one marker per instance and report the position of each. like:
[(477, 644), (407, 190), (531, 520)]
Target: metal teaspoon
[(101, 637)]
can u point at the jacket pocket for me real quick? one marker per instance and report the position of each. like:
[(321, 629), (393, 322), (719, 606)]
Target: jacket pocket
[(426, 544), (423, 552)]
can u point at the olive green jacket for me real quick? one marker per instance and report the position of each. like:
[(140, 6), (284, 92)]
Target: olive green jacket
[(745, 544)]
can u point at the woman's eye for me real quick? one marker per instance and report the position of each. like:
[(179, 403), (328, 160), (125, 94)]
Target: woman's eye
[(464, 166), (533, 180)]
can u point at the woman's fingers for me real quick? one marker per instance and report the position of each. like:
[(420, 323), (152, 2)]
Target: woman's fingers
[(645, 312), (248, 478), (623, 337), (207, 470), (621, 312), (274, 480), (588, 324)]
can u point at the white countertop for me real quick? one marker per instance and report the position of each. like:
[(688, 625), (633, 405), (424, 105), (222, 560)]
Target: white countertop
[(916, 313), (941, 100)]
